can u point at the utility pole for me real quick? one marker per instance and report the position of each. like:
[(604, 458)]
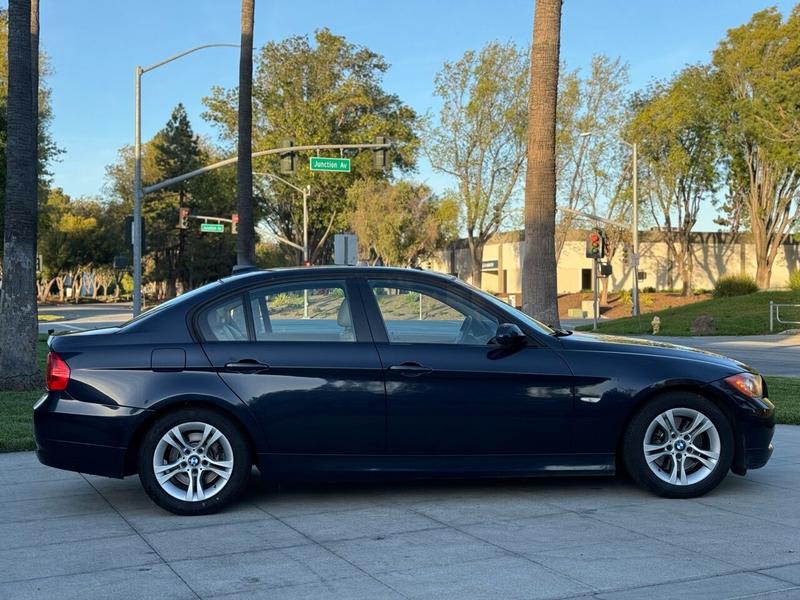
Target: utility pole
[(138, 192), (635, 228)]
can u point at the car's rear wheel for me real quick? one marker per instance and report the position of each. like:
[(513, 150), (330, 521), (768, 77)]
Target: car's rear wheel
[(679, 445), (194, 461)]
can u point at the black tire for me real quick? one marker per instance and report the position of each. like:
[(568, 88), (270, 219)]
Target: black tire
[(633, 451), (228, 493)]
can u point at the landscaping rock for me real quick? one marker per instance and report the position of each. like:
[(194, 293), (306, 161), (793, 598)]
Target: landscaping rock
[(703, 325)]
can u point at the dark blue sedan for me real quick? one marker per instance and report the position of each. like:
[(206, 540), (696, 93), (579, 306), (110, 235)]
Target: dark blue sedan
[(333, 372)]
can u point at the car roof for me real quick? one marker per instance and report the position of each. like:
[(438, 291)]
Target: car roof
[(338, 270)]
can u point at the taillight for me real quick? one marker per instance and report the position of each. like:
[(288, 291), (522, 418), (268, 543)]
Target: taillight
[(57, 373)]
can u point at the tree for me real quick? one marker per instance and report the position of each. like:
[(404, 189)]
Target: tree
[(675, 126), (246, 242), (19, 328), (590, 113), (757, 68), (479, 139), (400, 224), (326, 92), (177, 152), (539, 286)]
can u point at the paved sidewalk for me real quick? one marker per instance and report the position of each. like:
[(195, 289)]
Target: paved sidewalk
[(68, 536)]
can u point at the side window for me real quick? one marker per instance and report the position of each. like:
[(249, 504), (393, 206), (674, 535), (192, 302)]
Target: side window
[(304, 312), (225, 321), (421, 314)]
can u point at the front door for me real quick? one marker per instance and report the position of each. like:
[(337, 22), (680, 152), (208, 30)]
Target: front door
[(450, 391), (300, 355)]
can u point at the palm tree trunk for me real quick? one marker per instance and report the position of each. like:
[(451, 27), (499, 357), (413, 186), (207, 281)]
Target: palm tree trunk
[(246, 242), (539, 285), (18, 325)]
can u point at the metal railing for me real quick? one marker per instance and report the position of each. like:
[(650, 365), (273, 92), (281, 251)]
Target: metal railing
[(775, 314)]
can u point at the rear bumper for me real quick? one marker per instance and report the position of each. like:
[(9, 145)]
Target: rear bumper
[(83, 436)]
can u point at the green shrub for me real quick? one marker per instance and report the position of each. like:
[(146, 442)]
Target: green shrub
[(794, 281), (649, 289), (625, 297), (735, 285)]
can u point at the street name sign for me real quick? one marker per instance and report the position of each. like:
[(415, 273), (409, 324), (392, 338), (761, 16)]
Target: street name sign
[(212, 227), (335, 165)]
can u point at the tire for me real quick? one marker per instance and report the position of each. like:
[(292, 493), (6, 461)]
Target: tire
[(198, 480), (677, 466)]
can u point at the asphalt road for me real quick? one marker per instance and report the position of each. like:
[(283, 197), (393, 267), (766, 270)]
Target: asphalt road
[(66, 535)]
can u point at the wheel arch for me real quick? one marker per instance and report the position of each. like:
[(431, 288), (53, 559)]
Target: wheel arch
[(701, 389), (174, 404)]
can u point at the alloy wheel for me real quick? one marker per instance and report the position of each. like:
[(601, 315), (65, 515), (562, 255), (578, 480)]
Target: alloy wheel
[(682, 446), (193, 461)]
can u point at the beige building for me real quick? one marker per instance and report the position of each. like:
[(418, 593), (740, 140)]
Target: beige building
[(715, 255)]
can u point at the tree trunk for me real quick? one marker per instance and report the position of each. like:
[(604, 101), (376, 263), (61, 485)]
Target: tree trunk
[(18, 323), (539, 285), (246, 237), (763, 273), (476, 262)]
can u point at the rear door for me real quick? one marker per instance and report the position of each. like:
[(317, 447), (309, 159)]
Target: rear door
[(299, 353)]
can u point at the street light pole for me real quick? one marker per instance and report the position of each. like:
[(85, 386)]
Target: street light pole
[(635, 228), (306, 192), (137, 194), (137, 169)]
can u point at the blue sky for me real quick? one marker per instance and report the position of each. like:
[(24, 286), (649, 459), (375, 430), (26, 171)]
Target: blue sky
[(94, 46)]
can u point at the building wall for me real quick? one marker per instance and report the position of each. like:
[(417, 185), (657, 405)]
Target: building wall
[(715, 255)]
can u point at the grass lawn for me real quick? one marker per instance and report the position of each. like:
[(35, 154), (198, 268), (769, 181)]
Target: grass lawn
[(16, 414), (43, 317), (739, 315)]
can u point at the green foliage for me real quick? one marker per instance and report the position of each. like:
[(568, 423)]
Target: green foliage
[(734, 285), (326, 92), (401, 223), (626, 298), (794, 281)]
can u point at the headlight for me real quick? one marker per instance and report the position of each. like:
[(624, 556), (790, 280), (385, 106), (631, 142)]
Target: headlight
[(748, 384)]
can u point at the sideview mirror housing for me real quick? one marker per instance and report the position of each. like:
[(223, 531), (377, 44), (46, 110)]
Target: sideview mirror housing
[(509, 334)]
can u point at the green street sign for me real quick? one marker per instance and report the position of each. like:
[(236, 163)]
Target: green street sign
[(212, 227), (323, 163)]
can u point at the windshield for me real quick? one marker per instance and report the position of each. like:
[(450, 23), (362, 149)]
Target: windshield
[(171, 302), (531, 322)]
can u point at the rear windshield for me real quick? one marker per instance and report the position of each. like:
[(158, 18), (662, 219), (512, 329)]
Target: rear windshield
[(171, 302)]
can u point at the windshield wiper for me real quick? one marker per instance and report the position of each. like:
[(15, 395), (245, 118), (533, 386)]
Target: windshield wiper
[(558, 332)]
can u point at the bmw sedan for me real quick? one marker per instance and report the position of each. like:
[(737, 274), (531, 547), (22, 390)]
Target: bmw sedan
[(341, 371)]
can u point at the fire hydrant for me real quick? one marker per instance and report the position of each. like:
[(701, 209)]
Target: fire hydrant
[(656, 323)]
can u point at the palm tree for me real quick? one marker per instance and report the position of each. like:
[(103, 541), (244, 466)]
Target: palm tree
[(246, 243), (18, 322), (539, 291)]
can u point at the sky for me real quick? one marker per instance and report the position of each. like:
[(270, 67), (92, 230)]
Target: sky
[(94, 46)]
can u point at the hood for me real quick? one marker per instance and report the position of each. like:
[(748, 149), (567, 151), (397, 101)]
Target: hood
[(613, 343)]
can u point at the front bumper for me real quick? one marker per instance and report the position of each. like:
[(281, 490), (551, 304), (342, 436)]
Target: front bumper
[(754, 425), (84, 436)]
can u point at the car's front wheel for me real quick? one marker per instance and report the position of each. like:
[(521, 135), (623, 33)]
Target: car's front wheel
[(194, 461), (679, 445)]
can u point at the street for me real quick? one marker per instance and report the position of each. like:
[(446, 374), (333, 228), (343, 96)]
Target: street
[(67, 535)]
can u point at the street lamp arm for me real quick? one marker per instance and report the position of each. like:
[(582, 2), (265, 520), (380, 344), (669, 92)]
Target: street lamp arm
[(184, 53), (593, 217), (282, 180)]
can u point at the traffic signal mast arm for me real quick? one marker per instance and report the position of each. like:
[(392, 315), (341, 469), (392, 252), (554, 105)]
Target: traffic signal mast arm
[(229, 161)]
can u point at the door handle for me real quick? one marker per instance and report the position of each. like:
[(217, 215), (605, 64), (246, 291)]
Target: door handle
[(411, 369), (246, 365)]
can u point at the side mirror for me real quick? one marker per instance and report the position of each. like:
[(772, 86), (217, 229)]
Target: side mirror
[(509, 334)]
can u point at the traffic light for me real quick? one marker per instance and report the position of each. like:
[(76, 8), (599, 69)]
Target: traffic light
[(595, 248), (234, 223), (183, 217), (287, 158), (380, 156), (626, 255)]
